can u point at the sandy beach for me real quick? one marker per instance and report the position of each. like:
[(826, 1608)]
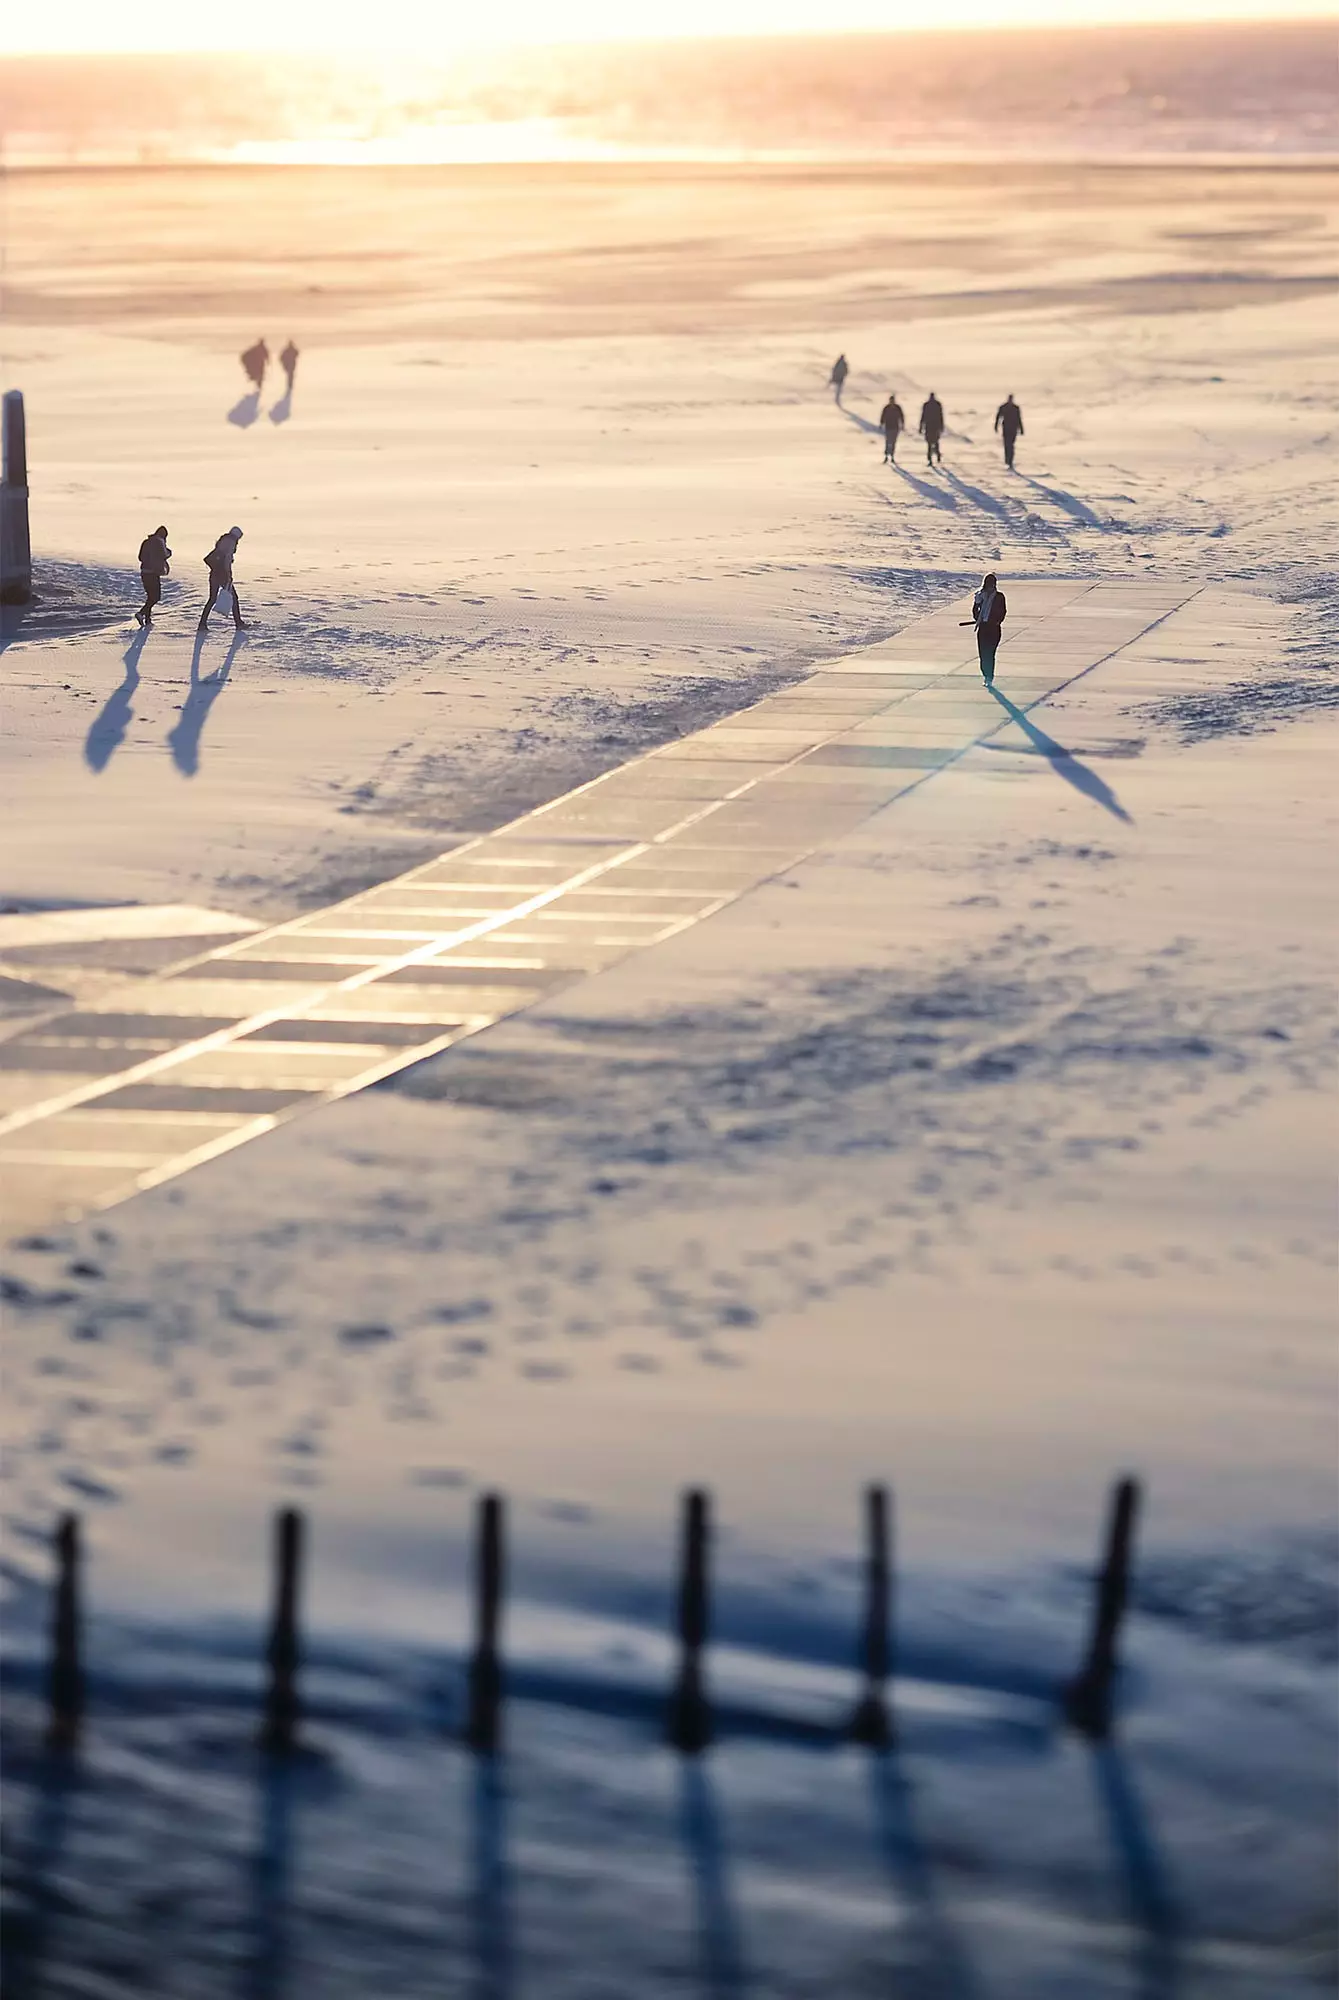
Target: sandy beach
[(983, 1142)]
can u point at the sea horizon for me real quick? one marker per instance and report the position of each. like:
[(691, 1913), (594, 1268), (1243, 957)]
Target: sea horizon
[(1201, 93)]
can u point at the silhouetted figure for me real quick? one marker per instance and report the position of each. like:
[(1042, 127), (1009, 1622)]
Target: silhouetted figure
[(219, 564), (288, 361), (1009, 424), (840, 371), (894, 423), (932, 426), (255, 361), (988, 615), (154, 564)]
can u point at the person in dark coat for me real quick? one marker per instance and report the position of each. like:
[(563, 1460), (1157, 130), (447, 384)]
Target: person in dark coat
[(155, 560), (219, 563), (894, 423), (1009, 424), (840, 371), (256, 360), (288, 361), (988, 615), (932, 426)]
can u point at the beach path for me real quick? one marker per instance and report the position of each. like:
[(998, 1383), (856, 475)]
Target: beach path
[(147, 1079)]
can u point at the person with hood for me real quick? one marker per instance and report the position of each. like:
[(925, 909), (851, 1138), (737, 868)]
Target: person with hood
[(155, 560), (932, 426), (840, 371), (288, 361), (894, 423), (219, 563), (988, 615), (1009, 424), (256, 360)]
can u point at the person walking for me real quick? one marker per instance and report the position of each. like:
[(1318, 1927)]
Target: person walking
[(988, 614), (219, 563), (840, 371), (1009, 424), (894, 423), (932, 426), (155, 560), (256, 360), (288, 361)]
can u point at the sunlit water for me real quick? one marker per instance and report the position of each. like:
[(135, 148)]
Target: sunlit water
[(1099, 93)]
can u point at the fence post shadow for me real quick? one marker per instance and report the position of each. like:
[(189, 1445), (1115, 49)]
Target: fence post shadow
[(491, 1893), (26, 1937), (1148, 1891), (940, 1968), (265, 1971), (723, 1972)]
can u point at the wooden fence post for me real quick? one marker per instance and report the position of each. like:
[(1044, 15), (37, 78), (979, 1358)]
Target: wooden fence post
[(1087, 1699), (483, 1722), (689, 1726), (283, 1653), (65, 1673), (872, 1723)]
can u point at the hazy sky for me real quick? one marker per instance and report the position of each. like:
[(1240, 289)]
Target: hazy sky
[(72, 25)]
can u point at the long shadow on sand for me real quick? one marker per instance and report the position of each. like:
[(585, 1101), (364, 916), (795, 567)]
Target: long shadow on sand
[(861, 423), (722, 1969), (1066, 502), (1063, 762), (184, 738), (108, 730), (935, 494), (491, 1913), (281, 411), (1148, 1892), (978, 496), (941, 1969), (246, 411)]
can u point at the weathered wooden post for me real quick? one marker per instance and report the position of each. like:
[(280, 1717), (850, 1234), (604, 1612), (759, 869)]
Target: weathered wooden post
[(65, 1675), (689, 1726), (872, 1723), (16, 559), (283, 1653), (483, 1724), (1087, 1699)]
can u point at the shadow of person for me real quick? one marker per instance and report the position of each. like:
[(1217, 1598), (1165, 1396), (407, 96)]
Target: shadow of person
[(246, 411), (940, 1968), (281, 411), (1147, 1889), (184, 737), (490, 1901), (108, 729), (1063, 762), (985, 501), (723, 1972), (1077, 510), (927, 491), (861, 423)]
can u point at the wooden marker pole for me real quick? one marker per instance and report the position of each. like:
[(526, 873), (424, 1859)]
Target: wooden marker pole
[(65, 1674), (484, 1720), (16, 561), (689, 1726), (282, 1654), (1087, 1699), (871, 1722)]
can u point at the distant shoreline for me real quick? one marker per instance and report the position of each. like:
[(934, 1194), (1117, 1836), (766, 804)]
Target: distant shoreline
[(854, 165)]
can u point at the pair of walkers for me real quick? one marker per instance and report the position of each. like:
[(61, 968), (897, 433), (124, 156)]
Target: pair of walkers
[(155, 561), (255, 360), (892, 422)]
